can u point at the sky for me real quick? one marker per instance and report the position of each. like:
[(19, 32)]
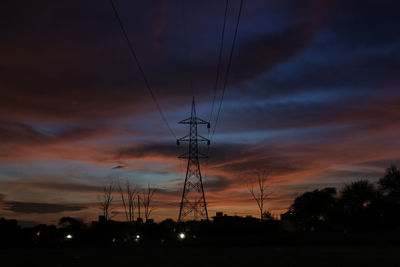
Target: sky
[(312, 98)]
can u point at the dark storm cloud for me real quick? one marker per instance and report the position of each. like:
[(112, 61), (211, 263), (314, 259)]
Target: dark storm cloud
[(291, 115), (52, 186), (344, 114), (118, 167), (76, 68), (357, 47), (265, 52), (21, 133), (221, 152), (230, 157), (41, 208), (275, 164), (217, 184), (146, 150), (76, 65), (371, 69), (376, 22)]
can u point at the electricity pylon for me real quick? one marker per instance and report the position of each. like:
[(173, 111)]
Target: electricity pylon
[(193, 197)]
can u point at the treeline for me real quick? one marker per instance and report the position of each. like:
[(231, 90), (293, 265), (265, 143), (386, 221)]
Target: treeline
[(359, 207), (362, 212), (71, 232)]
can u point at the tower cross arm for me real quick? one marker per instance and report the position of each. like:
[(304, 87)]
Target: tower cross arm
[(201, 121), (202, 139), (187, 138), (194, 120), (187, 156)]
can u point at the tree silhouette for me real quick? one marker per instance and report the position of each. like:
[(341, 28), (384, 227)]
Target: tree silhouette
[(359, 201), (106, 199), (390, 183), (357, 196), (147, 197), (314, 210), (260, 194), (128, 196)]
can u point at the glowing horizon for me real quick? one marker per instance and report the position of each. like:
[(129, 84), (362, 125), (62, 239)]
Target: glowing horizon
[(312, 98)]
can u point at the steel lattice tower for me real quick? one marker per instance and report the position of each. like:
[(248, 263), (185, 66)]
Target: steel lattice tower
[(193, 197)]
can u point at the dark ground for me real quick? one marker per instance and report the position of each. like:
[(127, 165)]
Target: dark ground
[(207, 256)]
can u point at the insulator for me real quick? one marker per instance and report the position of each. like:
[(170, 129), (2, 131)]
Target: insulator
[(208, 142), (208, 125), (177, 142)]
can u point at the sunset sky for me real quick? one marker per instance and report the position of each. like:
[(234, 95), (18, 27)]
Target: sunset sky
[(313, 98)]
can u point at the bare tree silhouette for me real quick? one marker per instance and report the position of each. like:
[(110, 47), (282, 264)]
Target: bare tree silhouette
[(128, 200), (147, 197), (106, 199), (261, 192)]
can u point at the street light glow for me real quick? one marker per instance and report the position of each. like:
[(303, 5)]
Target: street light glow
[(181, 235), (137, 238)]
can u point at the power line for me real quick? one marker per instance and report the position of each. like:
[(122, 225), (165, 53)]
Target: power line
[(146, 81), (228, 67), (186, 45), (221, 46)]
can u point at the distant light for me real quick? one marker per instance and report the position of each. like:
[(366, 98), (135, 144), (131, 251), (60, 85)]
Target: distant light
[(113, 240), (137, 238), (181, 236), (68, 236), (38, 233)]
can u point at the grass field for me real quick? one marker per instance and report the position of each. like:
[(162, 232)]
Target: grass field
[(207, 256)]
